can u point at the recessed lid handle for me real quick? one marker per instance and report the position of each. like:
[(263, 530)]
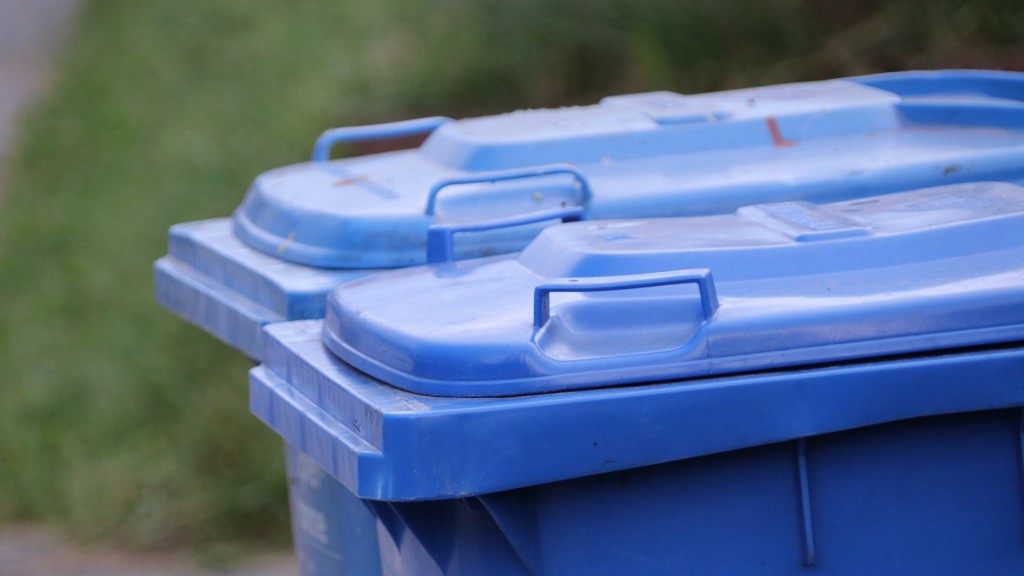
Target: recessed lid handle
[(699, 276), (326, 141), (516, 174)]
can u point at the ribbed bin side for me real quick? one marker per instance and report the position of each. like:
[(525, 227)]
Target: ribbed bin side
[(936, 495)]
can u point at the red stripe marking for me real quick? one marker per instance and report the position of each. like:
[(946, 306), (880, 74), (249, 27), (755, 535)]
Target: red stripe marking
[(777, 139)]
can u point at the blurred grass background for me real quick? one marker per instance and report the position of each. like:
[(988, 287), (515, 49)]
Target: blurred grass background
[(119, 421)]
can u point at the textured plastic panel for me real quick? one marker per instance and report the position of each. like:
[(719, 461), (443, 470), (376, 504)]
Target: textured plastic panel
[(385, 443), (938, 495), (641, 155), (607, 303), (210, 278)]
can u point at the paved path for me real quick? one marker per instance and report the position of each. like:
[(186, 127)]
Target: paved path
[(33, 550), (31, 32)]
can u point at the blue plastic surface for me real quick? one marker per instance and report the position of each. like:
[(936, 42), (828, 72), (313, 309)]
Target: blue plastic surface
[(212, 279), (657, 154), (384, 443), (927, 496), (773, 285), (334, 532), (857, 411), (642, 155)]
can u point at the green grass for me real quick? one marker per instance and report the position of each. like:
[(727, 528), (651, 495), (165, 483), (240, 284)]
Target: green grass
[(120, 421), (117, 418)]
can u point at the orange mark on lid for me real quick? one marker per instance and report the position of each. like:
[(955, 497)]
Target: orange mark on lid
[(349, 181), (777, 139)]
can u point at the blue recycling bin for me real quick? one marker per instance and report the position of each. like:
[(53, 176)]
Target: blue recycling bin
[(796, 387), (491, 183), (485, 186)]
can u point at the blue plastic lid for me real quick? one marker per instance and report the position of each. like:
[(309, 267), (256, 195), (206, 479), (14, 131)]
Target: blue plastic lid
[(595, 304), (636, 156), (212, 279), (386, 443)]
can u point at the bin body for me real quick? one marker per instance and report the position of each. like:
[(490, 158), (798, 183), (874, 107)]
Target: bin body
[(841, 393), (934, 494), (937, 495)]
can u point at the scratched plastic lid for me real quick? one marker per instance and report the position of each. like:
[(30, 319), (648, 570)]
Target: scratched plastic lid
[(636, 156), (595, 304)]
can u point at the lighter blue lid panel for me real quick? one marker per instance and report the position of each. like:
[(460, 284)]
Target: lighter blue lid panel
[(701, 154), (611, 302), (642, 155)]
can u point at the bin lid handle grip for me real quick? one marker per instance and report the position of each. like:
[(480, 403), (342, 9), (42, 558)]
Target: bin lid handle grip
[(441, 237), (699, 276), (334, 136), (516, 174)]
